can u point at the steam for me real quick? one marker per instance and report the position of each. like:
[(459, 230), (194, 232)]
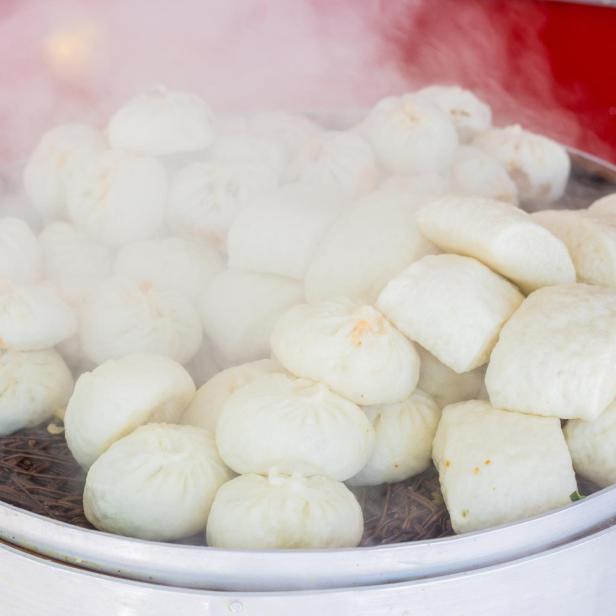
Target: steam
[(70, 59)]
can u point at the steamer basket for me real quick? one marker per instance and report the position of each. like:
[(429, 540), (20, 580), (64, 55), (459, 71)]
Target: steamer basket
[(568, 552)]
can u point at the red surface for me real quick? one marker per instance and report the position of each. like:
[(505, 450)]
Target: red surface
[(550, 64)]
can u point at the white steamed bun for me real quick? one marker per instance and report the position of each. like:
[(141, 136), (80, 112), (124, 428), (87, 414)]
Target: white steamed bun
[(410, 135), (444, 384), (206, 406), (344, 163), (20, 254), (299, 136), (500, 235), (351, 348), (34, 319), (117, 197), (453, 306), (252, 150), (469, 114), (474, 172), (162, 122), (121, 395), (239, 310), (182, 265), (205, 197), (157, 483), (277, 422), (354, 261), (121, 316), (280, 231), (539, 166), (51, 164), (280, 511), (604, 206), (34, 386), (593, 446), (73, 262), (403, 444), (496, 467), (556, 356), (590, 239)]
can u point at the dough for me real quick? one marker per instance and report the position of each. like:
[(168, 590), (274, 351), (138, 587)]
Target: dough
[(352, 348), (277, 422), (20, 254), (206, 406), (444, 384), (453, 306), (470, 115), (162, 122), (404, 434), (119, 396), (281, 512), (557, 355), (500, 235), (354, 260), (33, 387), (497, 467), (539, 166), (34, 319), (117, 197), (184, 266), (280, 231), (592, 446), (410, 135), (122, 317), (476, 173), (156, 483), (51, 164), (239, 309)]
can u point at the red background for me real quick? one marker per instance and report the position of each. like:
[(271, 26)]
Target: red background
[(577, 41)]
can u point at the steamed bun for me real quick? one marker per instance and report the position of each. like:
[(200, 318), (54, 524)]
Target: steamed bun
[(239, 309), (207, 405), (118, 197), (34, 319), (351, 348), (476, 173), (539, 166), (344, 163), (500, 235), (205, 197), (590, 239), (403, 445), (281, 511), (121, 395), (157, 483), (496, 467), (354, 261), (20, 254), (276, 422), (51, 164), (410, 135), (73, 262), (593, 446), (280, 231), (556, 356), (444, 384), (181, 265), (469, 114), (299, 136), (162, 122), (34, 386), (453, 306), (121, 316)]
